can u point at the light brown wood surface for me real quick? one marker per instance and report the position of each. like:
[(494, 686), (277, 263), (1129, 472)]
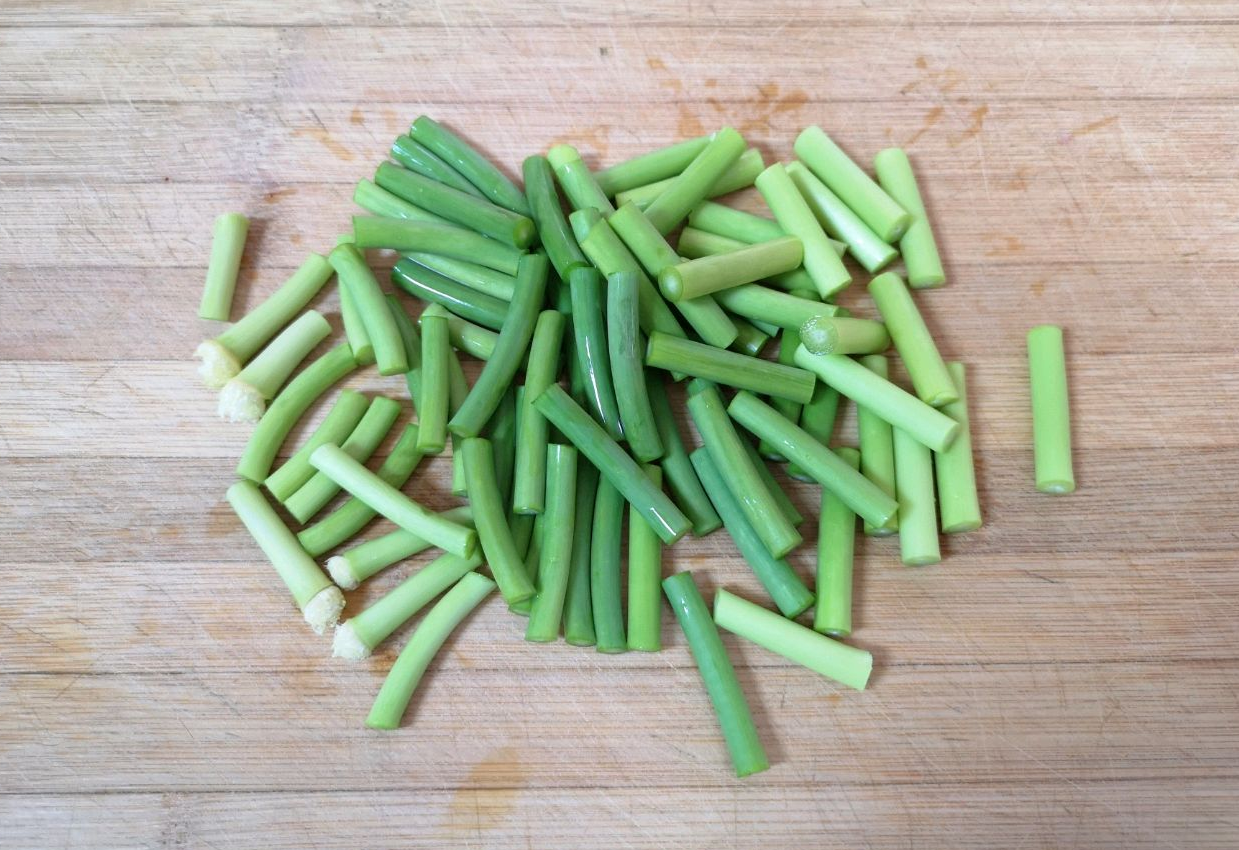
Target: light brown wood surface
[(1067, 677)]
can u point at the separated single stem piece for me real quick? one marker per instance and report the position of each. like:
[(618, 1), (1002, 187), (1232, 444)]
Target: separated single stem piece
[(794, 216), (578, 604), (490, 519), (227, 244), (694, 278), (605, 579), (350, 568), (649, 167), (415, 156), (367, 296), (475, 168), (591, 349), (578, 183), (844, 335), (693, 184), (335, 428), (402, 234), (1047, 380), (678, 471), (760, 304), (421, 282), (738, 175), (433, 402), (839, 222), (557, 238)]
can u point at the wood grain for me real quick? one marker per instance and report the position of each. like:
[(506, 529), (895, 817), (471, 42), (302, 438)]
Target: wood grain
[(1066, 678)]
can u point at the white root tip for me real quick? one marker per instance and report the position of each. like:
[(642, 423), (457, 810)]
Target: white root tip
[(241, 402), (323, 610), (219, 365), (346, 644), (341, 572)]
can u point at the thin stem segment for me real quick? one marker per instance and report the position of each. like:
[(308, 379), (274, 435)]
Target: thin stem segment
[(728, 367), (794, 216), (578, 604), (557, 238), (836, 540), (529, 481), (917, 245), (1047, 379), (227, 245), (350, 568), (693, 184), (367, 296), (433, 396), (644, 578), (474, 167), (464, 301), (649, 167), (678, 471), (738, 175), (914, 485), (844, 335), (244, 398), (605, 580), (954, 470), (591, 349), (555, 557), (839, 222), (335, 428), (490, 518), (463, 208), (912, 340), (627, 369), (853, 186)]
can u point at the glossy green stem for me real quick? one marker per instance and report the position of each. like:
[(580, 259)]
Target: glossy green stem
[(415, 156), (917, 245), (732, 460), (839, 222), (958, 505), (738, 175), (510, 349), (555, 555), (578, 604), (776, 576), (728, 367), (760, 304), (624, 347), (794, 216), (613, 462), (462, 208), (678, 471), (468, 338), (1047, 380), (574, 176), (696, 244), (377, 200), (914, 486), (433, 403), (788, 340), (352, 516), (591, 350), (490, 519), (484, 280), (553, 230), (911, 337), (474, 167), (693, 184), (858, 492), (402, 234), (243, 397), (644, 579), (649, 167), (412, 342), (304, 579), (425, 642), (288, 408), (737, 226), (888, 401), (836, 540), (350, 568), (750, 339), (844, 335), (421, 282), (501, 430), (845, 664), (605, 579), (877, 447), (817, 419), (694, 278), (786, 505), (717, 674), (227, 245), (314, 495), (368, 298), (854, 187), (529, 487), (335, 428)]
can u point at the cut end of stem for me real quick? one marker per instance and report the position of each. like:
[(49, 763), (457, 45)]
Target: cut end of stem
[(819, 335), (671, 282), (219, 365), (241, 402), (323, 610), (1056, 487), (347, 645), (341, 572), (922, 560)]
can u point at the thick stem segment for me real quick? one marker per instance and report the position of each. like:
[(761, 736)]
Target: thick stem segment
[(578, 604), (402, 234), (513, 342), (574, 176), (817, 418), (776, 576), (678, 471), (750, 339), (591, 350), (912, 340), (649, 167), (738, 175), (856, 491), (794, 216), (839, 222), (1047, 379), (759, 304), (529, 481), (314, 495), (377, 200), (393, 698), (914, 485), (227, 245), (694, 278), (557, 238), (223, 357), (490, 518), (432, 403), (786, 505), (627, 369), (357, 637), (605, 582), (693, 184), (645, 567), (474, 167), (364, 291), (555, 557), (728, 367), (894, 405), (352, 516), (845, 664), (415, 156), (655, 255), (335, 428), (350, 568), (844, 335), (288, 408), (391, 503), (319, 600), (462, 208), (957, 478), (732, 460), (877, 447), (421, 282), (917, 245), (655, 507), (695, 244), (717, 674), (836, 539), (244, 398), (854, 187), (485, 280)]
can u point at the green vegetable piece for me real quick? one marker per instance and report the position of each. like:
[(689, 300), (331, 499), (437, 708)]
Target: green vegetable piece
[(367, 297), (759, 304), (227, 245), (421, 282), (627, 369), (728, 367), (854, 187), (678, 471), (417, 157), (738, 175), (353, 566), (528, 494), (244, 397), (591, 349), (433, 403), (836, 539), (474, 167), (578, 603), (644, 579), (794, 216), (839, 222), (576, 180), (1047, 380), (649, 167), (557, 238), (335, 428), (555, 558), (918, 516), (494, 533), (844, 335), (912, 340), (462, 208), (604, 569), (956, 475), (920, 251), (693, 184), (694, 278)]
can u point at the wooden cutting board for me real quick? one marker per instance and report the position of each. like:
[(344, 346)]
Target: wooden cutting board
[(1065, 678)]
